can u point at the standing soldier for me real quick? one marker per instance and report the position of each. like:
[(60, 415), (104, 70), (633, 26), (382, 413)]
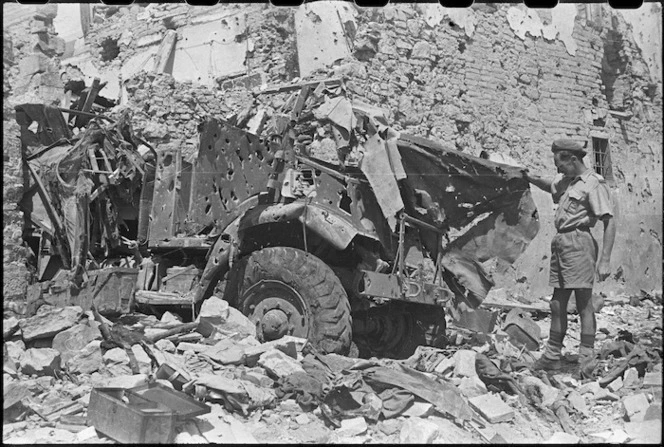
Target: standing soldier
[(583, 197)]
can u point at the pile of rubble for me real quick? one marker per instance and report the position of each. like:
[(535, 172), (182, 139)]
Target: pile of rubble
[(67, 371)]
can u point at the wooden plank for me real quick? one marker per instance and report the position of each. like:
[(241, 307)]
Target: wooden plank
[(297, 85), (95, 165), (66, 103), (528, 308), (151, 297), (92, 95)]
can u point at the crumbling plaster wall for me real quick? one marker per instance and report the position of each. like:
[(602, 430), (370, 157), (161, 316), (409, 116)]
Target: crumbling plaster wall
[(474, 79)]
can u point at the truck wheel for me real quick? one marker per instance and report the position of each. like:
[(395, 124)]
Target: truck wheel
[(286, 291)]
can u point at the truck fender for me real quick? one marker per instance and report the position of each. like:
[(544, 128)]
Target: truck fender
[(335, 229)]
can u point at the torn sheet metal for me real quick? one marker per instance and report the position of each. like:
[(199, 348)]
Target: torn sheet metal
[(489, 203), (231, 167), (376, 166), (50, 126)]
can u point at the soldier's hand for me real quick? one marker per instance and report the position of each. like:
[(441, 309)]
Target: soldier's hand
[(603, 269)]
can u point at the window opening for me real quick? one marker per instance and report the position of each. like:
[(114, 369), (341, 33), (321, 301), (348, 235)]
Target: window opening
[(602, 158)]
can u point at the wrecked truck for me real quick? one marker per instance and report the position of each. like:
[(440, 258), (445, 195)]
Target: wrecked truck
[(371, 245)]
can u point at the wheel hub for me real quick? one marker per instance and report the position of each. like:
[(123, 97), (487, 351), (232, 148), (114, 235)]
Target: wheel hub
[(277, 310), (274, 324)]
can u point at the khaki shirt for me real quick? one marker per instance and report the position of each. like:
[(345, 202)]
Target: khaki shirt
[(582, 200)]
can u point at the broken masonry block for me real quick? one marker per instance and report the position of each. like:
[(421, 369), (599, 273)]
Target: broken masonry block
[(278, 364), (652, 379), (70, 341), (353, 427), (40, 361), (465, 363), (563, 438), (87, 361), (635, 406), (418, 431), (615, 385), (49, 321), (492, 408)]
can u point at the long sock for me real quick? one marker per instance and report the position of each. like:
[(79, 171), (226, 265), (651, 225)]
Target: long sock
[(554, 346), (587, 348)]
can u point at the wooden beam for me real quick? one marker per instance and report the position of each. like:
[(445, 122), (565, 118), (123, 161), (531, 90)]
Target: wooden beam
[(55, 219), (92, 95)]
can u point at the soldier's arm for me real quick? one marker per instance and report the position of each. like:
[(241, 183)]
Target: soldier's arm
[(541, 182), (604, 264)]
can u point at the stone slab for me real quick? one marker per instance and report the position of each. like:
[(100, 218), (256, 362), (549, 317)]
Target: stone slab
[(49, 321), (40, 361), (492, 408), (646, 432)]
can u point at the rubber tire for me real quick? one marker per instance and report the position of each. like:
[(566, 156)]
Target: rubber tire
[(330, 325)]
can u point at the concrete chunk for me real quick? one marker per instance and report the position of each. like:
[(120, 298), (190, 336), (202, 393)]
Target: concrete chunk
[(635, 406), (419, 410), (352, 427), (646, 432), (15, 349), (610, 437), (631, 378), (465, 363), (418, 431), (563, 438), (653, 379), (42, 362), (88, 360), (49, 321), (605, 395), (590, 387), (279, 364), (615, 385), (654, 411), (492, 407), (115, 355), (472, 387), (143, 360), (578, 402), (70, 341), (124, 381), (214, 311), (9, 326), (288, 345)]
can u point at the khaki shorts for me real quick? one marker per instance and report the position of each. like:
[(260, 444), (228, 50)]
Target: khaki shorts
[(573, 260)]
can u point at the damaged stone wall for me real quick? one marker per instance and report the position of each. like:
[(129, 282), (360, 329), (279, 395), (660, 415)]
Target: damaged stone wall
[(495, 79)]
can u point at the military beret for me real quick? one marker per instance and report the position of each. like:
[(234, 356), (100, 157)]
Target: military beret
[(569, 145)]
